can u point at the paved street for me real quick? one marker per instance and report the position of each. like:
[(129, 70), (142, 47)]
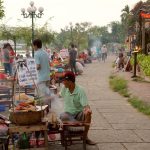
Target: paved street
[(116, 125)]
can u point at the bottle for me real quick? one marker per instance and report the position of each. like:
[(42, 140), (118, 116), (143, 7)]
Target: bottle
[(11, 145), (32, 140), (41, 141), (24, 142)]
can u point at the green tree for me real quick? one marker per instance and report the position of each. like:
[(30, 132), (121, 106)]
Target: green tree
[(125, 14), (80, 34), (100, 33), (16, 34), (1, 10), (24, 35), (76, 34), (46, 35), (128, 20), (95, 30), (117, 34), (61, 39), (125, 19)]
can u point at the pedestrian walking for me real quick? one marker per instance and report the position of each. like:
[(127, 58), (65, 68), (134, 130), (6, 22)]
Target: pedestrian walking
[(104, 52), (72, 59), (98, 53)]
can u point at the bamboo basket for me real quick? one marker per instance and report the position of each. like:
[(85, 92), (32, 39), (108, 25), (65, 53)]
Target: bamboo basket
[(26, 118)]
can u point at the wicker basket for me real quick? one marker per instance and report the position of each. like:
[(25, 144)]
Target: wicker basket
[(26, 118)]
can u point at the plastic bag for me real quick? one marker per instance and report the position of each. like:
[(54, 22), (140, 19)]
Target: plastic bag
[(79, 67), (3, 129)]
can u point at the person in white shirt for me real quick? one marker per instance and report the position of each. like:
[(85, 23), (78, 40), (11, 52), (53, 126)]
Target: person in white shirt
[(104, 52)]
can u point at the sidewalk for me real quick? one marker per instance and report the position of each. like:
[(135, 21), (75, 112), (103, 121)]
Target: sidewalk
[(116, 125)]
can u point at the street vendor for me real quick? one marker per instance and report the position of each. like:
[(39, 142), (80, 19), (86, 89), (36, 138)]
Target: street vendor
[(75, 103), (43, 68)]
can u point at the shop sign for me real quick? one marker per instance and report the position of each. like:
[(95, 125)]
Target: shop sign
[(145, 16)]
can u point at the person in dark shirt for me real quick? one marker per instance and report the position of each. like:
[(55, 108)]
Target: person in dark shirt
[(72, 59), (53, 56), (121, 60)]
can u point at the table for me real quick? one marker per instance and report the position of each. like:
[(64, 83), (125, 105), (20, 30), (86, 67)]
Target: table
[(30, 128), (4, 142)]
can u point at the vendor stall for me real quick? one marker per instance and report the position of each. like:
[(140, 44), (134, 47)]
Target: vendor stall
[(26, 113), (30, 121), (58, 68)]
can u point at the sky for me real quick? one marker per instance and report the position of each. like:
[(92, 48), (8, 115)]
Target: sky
[(62, 12)]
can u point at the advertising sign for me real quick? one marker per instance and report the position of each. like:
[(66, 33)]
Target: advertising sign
[(27, 72)]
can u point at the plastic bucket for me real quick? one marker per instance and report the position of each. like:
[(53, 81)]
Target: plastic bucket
[(2, 76)]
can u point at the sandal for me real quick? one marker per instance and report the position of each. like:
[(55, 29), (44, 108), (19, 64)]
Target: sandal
[(89, 142)]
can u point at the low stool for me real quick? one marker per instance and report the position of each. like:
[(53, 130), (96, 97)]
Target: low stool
[(73, 132)]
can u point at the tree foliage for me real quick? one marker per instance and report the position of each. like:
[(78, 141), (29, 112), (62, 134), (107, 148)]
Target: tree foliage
[(23, 34), (84, 34), (1, 10), (77, 34), (117, 32), (127, 20)]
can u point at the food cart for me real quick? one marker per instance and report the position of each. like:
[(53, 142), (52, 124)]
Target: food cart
[(26, 113), (28, 116)]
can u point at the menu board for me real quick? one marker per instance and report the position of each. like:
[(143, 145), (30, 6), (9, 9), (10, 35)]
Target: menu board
[(27, 72)]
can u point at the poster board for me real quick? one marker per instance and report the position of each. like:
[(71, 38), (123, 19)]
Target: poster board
[(27, 72)]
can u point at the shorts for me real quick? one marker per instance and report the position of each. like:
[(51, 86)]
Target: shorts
[(66, 116)]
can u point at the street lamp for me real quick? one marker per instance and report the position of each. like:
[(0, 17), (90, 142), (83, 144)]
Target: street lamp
[(31, 12)]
